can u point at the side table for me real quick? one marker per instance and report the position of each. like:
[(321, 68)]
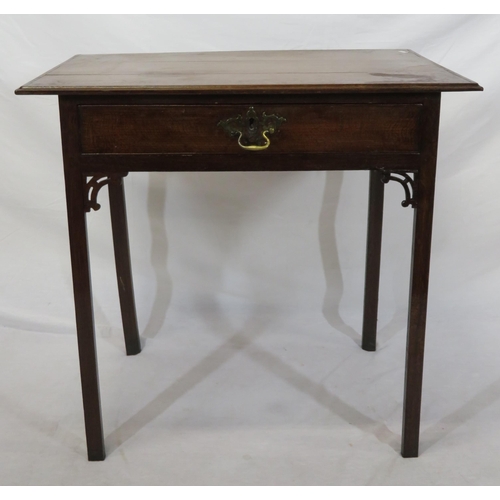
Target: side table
[(375, 110)]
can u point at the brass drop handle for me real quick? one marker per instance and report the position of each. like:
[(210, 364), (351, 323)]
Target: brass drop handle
[(254, 147), (252, 130)]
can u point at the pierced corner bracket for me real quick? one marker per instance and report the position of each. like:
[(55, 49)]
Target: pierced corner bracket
[(408, 184), (94, 185)]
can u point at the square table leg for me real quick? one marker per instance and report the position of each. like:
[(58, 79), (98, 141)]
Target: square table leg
[(76, 203), (75, 199), (123, 267), (424, 183), (417, 312), (373, 250)]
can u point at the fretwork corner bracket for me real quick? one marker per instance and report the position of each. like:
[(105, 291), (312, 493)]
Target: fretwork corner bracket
[(94, 185), (408, 184)]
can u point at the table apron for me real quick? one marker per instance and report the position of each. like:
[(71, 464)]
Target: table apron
[(119, 134), (91, 164)]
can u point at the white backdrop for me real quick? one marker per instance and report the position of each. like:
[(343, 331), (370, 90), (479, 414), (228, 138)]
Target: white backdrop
[(249, 285)]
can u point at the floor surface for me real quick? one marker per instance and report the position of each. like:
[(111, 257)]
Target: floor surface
[(254, 397)]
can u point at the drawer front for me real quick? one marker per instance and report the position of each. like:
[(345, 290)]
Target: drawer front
[(193, 129)]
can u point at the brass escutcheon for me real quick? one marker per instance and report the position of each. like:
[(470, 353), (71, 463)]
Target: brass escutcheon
[(251, 130)]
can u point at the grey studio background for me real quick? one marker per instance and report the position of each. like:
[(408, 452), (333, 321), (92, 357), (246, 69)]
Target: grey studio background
[(249, 286)]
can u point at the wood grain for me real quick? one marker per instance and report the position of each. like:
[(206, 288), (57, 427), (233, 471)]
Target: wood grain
[(320, 71), (321, 128), (344, 110), (419, 282)]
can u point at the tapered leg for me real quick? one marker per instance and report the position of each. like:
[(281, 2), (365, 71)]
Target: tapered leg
[(123, 268), (372, 270), (421, 253), (75, 191), (417, 314)]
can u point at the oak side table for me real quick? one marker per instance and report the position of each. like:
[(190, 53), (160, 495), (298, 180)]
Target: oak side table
[(375, 110)]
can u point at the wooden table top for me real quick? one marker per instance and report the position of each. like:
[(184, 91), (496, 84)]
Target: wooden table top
[(319, 71)]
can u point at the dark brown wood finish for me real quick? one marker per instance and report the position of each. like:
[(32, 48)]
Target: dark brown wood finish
[(373, 251), (312, 128), (374, 110), (420, 267), (123, 268), (389, 133), (311, 71), (75, 182)]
